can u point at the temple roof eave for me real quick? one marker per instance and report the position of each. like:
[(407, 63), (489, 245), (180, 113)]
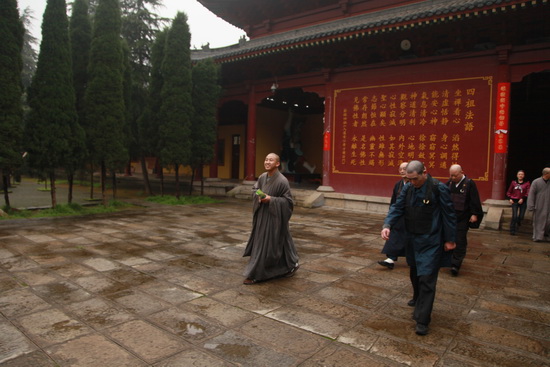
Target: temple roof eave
[(388, 20)]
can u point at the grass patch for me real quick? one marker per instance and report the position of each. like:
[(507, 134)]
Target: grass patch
[(183, 200), (65, 210)]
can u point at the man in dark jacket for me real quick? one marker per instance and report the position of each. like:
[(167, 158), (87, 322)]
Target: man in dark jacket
[(468, 210), (430, 223), (395, 246)]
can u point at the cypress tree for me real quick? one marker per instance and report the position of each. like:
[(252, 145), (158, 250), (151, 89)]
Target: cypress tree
[(104, 99), (139, 25), (11, 44), (177, 108), (206, 91), (149, 121), (28, 53), (81, 36), (52, 115)]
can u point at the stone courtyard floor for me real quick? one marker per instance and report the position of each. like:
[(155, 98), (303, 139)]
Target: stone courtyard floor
[(162, 286)]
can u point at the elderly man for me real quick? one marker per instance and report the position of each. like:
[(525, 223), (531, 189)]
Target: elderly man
[(468, 210), (430, 224), (538, 202)]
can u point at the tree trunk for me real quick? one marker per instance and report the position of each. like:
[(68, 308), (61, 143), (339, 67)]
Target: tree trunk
[(177, 181), (128, 168), (146, 181), (91, 181), (103, 192), (161, 175), (202, 179), (113, 172), (70, 178), (52, 189), (5, 179), (192, 179)]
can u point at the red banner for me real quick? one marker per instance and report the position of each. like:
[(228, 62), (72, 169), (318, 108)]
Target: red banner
[(502, 117), (437, 122), (326, 141)]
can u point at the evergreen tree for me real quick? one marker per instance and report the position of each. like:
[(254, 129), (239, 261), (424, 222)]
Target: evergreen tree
[(104, 99), (52, 115), (177, 108), (29, 52), (81, 37), (139, 25), (206, 91), (11, 113), (127, 128), (149, 121)]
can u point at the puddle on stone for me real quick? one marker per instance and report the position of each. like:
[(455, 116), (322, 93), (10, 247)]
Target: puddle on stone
[(191, 328), (66, 325), (235, 350)]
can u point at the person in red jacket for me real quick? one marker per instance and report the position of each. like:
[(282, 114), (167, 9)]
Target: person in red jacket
[(517, 194)]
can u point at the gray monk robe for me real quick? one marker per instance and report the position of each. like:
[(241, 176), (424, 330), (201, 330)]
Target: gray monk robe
[(271, 247), (538, 202)]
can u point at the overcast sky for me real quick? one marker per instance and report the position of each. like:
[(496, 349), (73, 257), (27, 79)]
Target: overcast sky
[(205, 26)]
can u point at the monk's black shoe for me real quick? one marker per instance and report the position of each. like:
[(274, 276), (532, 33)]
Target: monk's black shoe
[(421, 329), (454, 271), (386, 264), (411, 303)]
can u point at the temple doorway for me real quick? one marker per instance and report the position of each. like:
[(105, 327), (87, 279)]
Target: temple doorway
[(291, 123), (529, 135)]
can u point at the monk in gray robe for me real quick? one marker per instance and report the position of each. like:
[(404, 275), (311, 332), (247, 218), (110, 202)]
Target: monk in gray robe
[(271, 247), (538, 202)]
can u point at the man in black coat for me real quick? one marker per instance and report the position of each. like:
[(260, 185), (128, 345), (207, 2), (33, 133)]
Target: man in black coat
[(395, 246), (468, 211)]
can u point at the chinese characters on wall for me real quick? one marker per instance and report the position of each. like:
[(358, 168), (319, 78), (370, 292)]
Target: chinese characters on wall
[(503, 103), (439, 123)]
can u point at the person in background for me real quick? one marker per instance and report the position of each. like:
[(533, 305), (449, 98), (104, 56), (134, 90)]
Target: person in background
[(517, 194), (468, 210), (430, 224), (270, 246), (539, 203), (395, 246)]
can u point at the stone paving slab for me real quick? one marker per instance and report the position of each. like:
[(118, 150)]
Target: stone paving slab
[(162, 286)]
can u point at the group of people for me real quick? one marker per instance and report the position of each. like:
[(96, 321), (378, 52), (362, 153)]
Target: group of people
[(428, 223), (524, 196), (427, 219), (468, 212)]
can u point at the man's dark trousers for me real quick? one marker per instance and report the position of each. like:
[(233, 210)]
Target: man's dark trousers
[(424, 295), (459, 253)]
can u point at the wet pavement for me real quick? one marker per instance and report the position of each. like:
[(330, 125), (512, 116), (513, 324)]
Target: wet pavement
[(162, 286)]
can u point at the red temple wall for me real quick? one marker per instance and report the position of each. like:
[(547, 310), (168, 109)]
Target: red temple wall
[(439, 113)]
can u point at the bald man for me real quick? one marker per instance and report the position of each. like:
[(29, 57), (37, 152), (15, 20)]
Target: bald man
[(270, 247), (468, 210)]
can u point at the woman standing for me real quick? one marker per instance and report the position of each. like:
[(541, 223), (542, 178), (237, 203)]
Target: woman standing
[(517, 193)]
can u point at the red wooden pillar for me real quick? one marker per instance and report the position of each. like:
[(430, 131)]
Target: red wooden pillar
[(502, 112), (251, 137), (327, 136)]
